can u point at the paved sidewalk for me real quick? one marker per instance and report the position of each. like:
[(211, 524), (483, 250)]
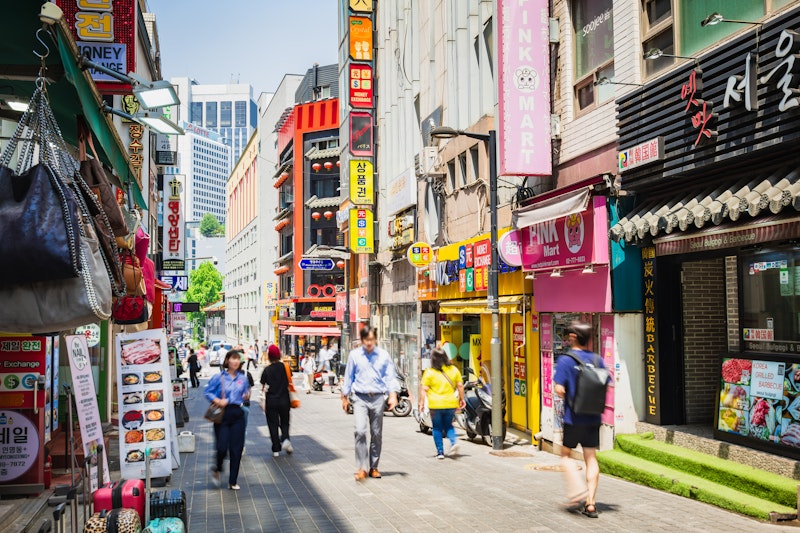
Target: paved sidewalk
[(314, 490)]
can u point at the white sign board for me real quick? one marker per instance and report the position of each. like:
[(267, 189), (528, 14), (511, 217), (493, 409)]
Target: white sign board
[(766, 380), (174, 237), (86, 400), (19, 445), (109, 55), (91, 332), (178, 321)]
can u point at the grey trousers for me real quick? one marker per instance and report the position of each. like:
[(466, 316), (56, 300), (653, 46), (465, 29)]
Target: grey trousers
[(368, 411)]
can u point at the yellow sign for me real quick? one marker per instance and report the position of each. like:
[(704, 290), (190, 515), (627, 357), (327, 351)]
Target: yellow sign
[(362, 182), (362, 231), (361, 6), (420, 254), (361, 38)]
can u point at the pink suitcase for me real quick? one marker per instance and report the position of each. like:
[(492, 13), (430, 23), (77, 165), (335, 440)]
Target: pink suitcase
[(125, 494)]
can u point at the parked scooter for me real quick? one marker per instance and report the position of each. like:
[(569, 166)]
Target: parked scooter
[(478, 410), (404, 405)]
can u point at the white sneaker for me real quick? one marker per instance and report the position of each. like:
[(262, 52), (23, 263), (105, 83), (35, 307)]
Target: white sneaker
[(234, 487), (440, 456), (276, 454), (453, 449), (287, 446)]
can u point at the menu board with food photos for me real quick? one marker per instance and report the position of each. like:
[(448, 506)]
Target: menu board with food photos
[(760, 400), (145, 403)]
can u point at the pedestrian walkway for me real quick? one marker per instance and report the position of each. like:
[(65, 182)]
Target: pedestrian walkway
[(314, 490)]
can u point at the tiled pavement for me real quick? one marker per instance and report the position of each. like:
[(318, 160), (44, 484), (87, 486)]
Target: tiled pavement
[(314, 490)]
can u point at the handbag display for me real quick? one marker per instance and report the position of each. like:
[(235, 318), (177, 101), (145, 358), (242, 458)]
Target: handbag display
[(130, 310), (216, 413), (133, 275)]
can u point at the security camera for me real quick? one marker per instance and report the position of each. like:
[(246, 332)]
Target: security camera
[(215, 260)]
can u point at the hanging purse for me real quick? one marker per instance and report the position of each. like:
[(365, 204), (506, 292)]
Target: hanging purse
[(132, 271), (131, 310), (215, 413)]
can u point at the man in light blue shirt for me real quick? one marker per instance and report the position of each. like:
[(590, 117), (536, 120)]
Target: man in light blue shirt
[(370, 377)]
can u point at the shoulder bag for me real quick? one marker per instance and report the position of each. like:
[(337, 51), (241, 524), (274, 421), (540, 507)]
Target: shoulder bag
[(216, 413), (294, 401)]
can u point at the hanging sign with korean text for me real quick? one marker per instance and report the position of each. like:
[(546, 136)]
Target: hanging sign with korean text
[(362, 182), (652, 393), (361, 134), (174, 257), (362, 231)]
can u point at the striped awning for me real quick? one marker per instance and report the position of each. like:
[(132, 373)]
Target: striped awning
[(771, 194)]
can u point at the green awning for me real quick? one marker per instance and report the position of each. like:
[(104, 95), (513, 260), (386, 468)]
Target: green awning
[(72, 93)]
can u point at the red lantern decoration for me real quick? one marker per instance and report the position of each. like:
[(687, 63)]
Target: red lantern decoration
[(284, 175), (316, 167), (340, 263), (328, 215), (328, 165), (338, 164), (316, 215)]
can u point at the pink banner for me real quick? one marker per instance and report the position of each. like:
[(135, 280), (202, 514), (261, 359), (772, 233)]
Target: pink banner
[(562, 242), (546, 336), (524, 87), (607, 352)]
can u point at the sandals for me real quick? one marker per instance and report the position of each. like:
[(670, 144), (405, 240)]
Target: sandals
[(590, 513)]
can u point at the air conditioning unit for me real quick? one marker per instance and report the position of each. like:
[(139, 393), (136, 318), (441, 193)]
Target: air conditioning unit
[(425, 163)]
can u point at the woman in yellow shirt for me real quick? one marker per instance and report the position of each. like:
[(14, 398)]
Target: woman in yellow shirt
[(439, 384)]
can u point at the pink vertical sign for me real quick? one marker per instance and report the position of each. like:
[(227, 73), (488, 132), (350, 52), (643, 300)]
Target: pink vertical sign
[(607, 351), (546, 336), (524, 87)]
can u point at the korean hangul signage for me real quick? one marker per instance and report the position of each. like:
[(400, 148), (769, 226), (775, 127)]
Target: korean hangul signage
[(642, 154), (482, 261), (361, 38), (361, 85), (177, 283), (652, 393), (361, 134), (524, 88), (19, 445), (23, 360), (362, 182), (135, 149), (174, 226), (701, 111), (362, 231), (105, 31)]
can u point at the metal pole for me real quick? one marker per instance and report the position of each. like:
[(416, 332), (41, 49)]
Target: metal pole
[(493, 303), (346, 339)]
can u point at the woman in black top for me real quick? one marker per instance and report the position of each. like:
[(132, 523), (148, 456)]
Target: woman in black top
[(275, 381)]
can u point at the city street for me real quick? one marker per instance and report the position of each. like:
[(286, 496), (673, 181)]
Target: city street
[(314, 490)]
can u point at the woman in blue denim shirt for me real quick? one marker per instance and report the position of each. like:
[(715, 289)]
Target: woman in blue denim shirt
[(229, 433)]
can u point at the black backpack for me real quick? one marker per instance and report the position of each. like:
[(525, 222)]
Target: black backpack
[(591, 385)]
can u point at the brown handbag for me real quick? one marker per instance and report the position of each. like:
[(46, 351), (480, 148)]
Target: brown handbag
[(134, 276), (216, 413)]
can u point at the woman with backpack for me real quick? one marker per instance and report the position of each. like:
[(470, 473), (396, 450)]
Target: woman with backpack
[(442, 386), (276, 383)]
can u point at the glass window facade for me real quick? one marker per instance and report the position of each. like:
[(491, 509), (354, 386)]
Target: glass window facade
[(211, 115), (196, 113), (594, 34), (241, 114), (225, 114)]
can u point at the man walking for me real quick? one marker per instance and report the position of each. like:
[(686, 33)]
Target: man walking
[(194, 367), (583, 429), (370, 376)]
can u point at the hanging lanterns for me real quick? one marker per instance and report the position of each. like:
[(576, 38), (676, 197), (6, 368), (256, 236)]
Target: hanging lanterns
[(328, 165), (316, 215), (340, 263), (328, 215), (338, 164), (316, 167), (284, 175)]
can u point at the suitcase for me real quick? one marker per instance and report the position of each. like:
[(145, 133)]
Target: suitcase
[(166, 525), (168, 504), (114, 521), (125, 494)]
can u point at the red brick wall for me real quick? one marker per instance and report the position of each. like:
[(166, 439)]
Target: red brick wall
[(705, 331)]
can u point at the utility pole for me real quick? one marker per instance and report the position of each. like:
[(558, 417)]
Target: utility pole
[(493, 303)]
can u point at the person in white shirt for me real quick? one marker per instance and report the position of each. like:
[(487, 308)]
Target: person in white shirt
[(308, 367)]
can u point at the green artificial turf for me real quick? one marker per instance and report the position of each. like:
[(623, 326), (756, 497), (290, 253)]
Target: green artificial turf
[(620, 464), (759, 483)]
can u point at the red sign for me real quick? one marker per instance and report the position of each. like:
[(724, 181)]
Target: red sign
[(483, 253), (361, 134), (481, 278), (106, 31), (468, 250), (361, 84), (562, 242), (22, 362), (691, 91)]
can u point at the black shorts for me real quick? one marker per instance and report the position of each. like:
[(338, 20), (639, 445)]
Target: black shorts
[(586, 436)]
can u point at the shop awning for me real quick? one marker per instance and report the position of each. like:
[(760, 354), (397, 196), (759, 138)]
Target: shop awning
[(559, 206), (320, 203), (313, 331), (477, 306), (72, 92), (315, 153), (774, 193)]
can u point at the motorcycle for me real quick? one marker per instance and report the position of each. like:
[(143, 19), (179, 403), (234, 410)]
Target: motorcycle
[(403, 407), (478, 410)]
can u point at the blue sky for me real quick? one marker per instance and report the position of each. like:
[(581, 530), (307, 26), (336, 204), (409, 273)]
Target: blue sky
[(256, 41)]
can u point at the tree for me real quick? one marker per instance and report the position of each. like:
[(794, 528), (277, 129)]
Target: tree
[(204, 285), (210, 226)]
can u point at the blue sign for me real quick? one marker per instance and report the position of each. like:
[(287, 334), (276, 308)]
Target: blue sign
[(177, 283), (462, 257), (316, 264)]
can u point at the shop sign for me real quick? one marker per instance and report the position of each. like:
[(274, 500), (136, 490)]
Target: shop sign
[(166, 149), (361, 135), (270, 294), (362, 182), (520, 366), (401, 192), (607, 352), (105, 33), (176, 283), (732, 238), (510, 248), (462, 280), (86, 401), (701, 111), (641, 154), (174, 228), (362, 231), (135, 149), (361, 38), (361, 84), (470, 279), (562, 242), (24, 360), (178, 321), (323, 312), (91, 332), (307, 263), (420, 254), (652, 393), (19, 445), (524, 88), (361, 6)]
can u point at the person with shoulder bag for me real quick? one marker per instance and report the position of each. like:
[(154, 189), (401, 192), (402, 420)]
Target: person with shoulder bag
[(276, 382), (442, 386), (581, 379), (228, 391)]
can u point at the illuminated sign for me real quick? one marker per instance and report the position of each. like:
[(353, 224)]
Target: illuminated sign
[(362, 231), (361, 84), (362, 182), (174, 254)]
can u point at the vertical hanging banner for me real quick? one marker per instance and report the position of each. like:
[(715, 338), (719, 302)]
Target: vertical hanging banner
[(362, 231), (174, 237), (86, 400), (362, 182), (361, 88), (652, 392), (361, 134), (105, 31), (361, 38), (524, 91)]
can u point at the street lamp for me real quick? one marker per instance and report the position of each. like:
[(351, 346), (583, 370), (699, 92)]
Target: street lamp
[(656, 53), (715, 18), (490, 139), (150, 94)]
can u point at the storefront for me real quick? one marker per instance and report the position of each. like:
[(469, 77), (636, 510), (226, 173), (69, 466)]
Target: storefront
[(457, 280), (562, 245), (717, 224)]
